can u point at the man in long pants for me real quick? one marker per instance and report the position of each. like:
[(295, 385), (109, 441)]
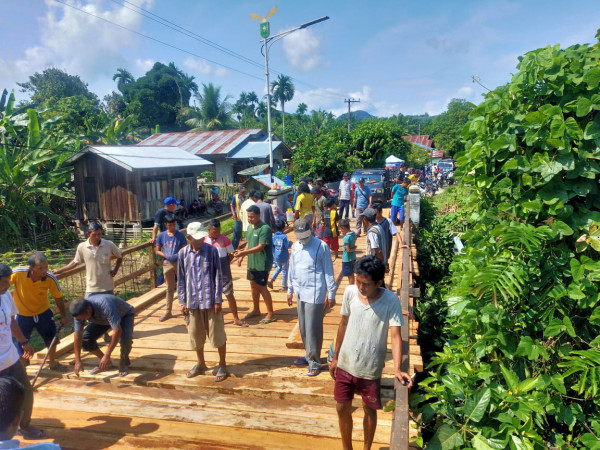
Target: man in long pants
[(310, 277)]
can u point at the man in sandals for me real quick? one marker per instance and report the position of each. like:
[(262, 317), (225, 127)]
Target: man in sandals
[(31, 286), (200, 289), (103, 312), (310, 277)]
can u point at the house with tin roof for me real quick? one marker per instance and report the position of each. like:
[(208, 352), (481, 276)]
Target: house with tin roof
[(231, 151), (129, 183)]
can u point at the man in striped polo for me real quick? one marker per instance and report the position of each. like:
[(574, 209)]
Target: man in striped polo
[(31, 286)]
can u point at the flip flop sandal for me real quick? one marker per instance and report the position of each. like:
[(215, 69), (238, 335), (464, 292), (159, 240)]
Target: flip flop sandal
[(241, 323), (32, 433), (196, 370), (314, 371), (59, 367), (96, 370), (124, 372), (165, 317), (266, 321), (301, 362), (221, 375)]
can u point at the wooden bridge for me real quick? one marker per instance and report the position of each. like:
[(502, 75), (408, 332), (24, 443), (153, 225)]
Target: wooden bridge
[(265, 403)]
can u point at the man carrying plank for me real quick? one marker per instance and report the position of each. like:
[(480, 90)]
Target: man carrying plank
[(310, 277)]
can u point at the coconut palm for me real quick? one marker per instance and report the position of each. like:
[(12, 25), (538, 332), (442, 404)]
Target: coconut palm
[(283, 91), (301, 109), (213, 113), (123, 77)]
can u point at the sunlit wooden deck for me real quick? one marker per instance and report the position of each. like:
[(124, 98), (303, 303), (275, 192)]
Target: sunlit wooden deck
[(265, 403)]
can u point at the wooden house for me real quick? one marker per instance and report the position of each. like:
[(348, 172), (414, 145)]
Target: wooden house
[(231, 151), (129, 183)]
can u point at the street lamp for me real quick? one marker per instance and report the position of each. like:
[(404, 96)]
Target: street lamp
[(268, 41)]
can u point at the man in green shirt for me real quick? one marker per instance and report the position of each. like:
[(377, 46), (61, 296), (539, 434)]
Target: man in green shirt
[(259, 250)]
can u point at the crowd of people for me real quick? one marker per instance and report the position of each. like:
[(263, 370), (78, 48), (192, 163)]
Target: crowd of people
[(197, 266)]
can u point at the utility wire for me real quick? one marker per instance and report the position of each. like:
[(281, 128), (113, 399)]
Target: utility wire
[(158, 40), (173, 26)]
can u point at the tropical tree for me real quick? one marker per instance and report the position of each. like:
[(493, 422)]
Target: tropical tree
[(213, 112), (301, 109), (283, 91), (123, 77), (53, 84), (33, 178)]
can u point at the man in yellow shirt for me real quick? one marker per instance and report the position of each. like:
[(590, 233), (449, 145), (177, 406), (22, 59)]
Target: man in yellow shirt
[(31, 286), (304, 207)]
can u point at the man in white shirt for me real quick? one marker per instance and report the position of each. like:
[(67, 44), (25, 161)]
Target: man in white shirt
[(10, 366), (368, 310), (344, 195), (310, 277)]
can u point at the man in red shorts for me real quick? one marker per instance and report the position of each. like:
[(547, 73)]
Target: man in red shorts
[(368, 310)]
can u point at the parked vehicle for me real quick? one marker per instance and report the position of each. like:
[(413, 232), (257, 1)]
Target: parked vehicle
[(446, 165), (378, 180)]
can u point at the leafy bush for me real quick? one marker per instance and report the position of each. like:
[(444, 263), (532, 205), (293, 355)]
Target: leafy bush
[(521, 366)]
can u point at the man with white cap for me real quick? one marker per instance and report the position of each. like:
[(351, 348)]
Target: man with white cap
[(200, 289), (310, 277)]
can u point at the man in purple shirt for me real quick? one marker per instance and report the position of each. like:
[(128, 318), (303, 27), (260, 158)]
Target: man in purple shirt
[(200, 289)]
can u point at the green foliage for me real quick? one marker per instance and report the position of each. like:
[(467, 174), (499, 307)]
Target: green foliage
[(208, 175), (445, 128), (157, 97), (53, 84), (374, 140), (33, 179), (522, 356), (213, 113), (283, 91)]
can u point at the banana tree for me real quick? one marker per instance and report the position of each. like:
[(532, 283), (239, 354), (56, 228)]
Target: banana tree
[(33, 178)]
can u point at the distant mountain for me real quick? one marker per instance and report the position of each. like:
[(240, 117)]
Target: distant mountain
[(356, 115)]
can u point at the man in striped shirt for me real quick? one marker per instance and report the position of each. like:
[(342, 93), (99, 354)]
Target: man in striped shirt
[(200, 289), (31, 286)]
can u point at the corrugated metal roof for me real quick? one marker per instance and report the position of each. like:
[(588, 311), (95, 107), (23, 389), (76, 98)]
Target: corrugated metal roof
[(254, 150), (137, 157), (205, 143), (422, 139), (265, 180)]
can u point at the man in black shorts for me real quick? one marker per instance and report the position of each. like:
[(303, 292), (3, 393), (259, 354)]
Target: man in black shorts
[(260, 260)]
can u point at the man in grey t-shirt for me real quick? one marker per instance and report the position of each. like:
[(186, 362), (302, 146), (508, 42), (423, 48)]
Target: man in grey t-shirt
[(368, 310), (103, 312)]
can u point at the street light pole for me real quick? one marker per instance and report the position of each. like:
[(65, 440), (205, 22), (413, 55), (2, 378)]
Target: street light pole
[(267, 42)]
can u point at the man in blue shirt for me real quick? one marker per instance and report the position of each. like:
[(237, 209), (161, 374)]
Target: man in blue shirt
[(310, 277), (168, 244), (399, 193), (103, 312), (362, 201)]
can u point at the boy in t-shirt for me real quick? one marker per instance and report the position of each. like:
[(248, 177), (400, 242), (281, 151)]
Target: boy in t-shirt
[(225, 249), (399, 193), (349, 254), (168, 244), (330, 227), (368, 311), (281, 255)]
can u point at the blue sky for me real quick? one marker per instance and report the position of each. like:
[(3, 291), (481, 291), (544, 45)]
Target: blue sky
[(395, 56)]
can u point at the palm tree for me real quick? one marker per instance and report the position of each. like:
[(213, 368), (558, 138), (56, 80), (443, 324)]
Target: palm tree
[(283, 91), (213, 113), (123, 77), (301, 109)]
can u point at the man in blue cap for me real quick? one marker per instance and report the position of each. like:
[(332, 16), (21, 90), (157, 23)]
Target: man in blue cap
[(159, 217)]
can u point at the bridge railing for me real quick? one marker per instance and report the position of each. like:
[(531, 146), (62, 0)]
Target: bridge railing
[(400, 434)]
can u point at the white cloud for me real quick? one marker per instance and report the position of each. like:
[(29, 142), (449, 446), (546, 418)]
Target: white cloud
[(302, 50), (465, 91), (364, 95), (200, 66), (197, 65), (79, 43), (144, 65)]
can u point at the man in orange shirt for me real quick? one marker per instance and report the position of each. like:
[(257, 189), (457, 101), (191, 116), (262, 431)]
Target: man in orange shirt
[(31, 285)]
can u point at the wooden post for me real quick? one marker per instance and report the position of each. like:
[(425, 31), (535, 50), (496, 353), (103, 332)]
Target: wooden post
[(153, 264)]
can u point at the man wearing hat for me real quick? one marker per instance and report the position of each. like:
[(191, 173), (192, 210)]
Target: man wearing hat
[(362, 201), (159, 218), (344, 195), (310, 277), (200, 289), (235, 206)]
